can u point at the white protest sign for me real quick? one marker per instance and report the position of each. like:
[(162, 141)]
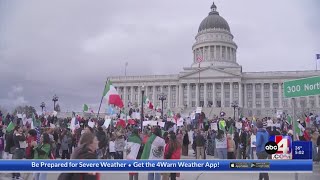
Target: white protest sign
[(19, 116), (269, 123), (91, 124), (180, 122), (161, 124), (54, 113), (238, 125), (199, 110), (106, 123), (154, 123), (146, 123), (214, 126)]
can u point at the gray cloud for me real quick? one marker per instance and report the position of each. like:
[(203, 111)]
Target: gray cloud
[(69, 48)]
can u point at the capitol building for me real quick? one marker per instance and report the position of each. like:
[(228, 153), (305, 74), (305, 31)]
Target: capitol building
[(222, 83)]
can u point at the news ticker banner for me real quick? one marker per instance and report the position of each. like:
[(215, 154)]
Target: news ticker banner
[(156, 165)]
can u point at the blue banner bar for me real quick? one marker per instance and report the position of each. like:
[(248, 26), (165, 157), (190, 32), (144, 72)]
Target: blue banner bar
[(155, 165)]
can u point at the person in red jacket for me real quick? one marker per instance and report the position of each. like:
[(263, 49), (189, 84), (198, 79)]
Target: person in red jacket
[(172, 150), (32, 137)]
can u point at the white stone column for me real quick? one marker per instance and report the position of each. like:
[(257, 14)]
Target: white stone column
[(131, 98), (125, 98), (177, 96), (240, 94), (209, 53), (254, 105), (154, 95), (214, 103), (271, 95), (169, 97), (146, 91), (205, 102), (231, 93), (215, 52), (197, 94), (221, 56), (222, 95), (139, 96), (161, 89), (181, 95), (188, 95), (245, 96), (280, 95), (262, 95)]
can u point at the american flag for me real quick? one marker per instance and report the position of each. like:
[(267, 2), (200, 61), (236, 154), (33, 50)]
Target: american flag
[(199, 59)]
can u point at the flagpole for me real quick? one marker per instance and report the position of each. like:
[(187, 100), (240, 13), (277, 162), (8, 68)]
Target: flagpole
[(102, 97)]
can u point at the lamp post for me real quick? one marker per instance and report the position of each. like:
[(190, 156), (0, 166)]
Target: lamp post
[(42, 105), (234, 105), (162, 98), (55, 99), (142, 115)]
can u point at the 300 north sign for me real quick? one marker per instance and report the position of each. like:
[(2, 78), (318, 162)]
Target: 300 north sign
[(302, 87)]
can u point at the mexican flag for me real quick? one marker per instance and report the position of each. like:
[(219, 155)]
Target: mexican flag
[(231, 129), (85, 108), (10, 127), (154, 148), (133, 146), (112, 96), (147, 102), (289, 120), (240, 116), (298, 128)]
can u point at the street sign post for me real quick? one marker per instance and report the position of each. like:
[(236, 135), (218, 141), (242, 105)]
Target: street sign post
[(302, 87)]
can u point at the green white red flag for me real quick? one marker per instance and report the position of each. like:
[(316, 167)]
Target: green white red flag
[(112, 96), (147, 102)]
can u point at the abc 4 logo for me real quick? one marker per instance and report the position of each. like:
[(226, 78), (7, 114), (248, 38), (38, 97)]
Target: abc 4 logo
[(271, 147), (282, 147)]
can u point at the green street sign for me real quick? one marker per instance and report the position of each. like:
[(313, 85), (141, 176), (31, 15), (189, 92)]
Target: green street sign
[(302, 87)]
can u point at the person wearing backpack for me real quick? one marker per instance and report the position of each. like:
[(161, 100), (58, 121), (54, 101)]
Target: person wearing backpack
[(262, 138), (42, 151)]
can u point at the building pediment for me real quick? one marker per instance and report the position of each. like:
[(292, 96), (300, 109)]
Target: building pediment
[(209, 72)]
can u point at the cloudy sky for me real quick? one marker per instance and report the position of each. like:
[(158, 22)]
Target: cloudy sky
[(69, 48)]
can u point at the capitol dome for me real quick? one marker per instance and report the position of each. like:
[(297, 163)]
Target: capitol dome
[(214, 21), (214, 44)]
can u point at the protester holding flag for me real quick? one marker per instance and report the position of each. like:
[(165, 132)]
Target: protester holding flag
[(134, 150), (9, 148), (154, 149), (42, 151)]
